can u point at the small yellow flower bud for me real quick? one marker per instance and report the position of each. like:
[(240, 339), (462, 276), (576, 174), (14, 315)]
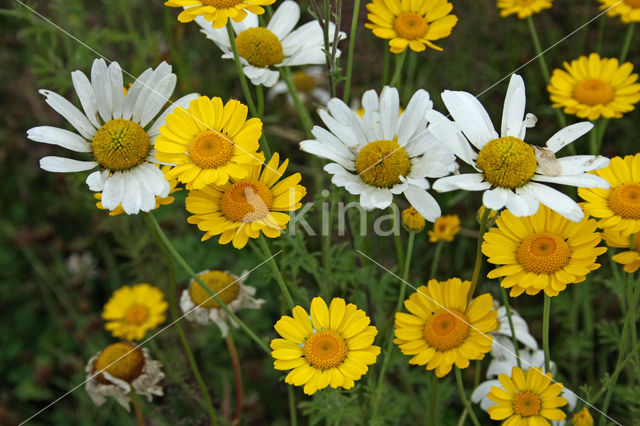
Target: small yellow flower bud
[(412, 220)]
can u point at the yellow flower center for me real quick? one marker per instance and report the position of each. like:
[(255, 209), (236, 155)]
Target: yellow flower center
[(507, 162), (381, 163), (325, 349), (221, 4), (633, 3), (123, 360), (223, 285), (625, 201), (136, 314), (120, 144), (527, 404), (446, 330), (593, 92), (410, 26), (246, 201), (259, 46), (303, 81), (543, 253), (210, 150)]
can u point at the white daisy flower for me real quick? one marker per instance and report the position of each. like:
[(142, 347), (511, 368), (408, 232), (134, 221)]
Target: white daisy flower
[(118, 132), (123, 366), (278, 45), (309, 84), (502, 335), (198, 305), (503, 365), (383, 152), (511, 172)]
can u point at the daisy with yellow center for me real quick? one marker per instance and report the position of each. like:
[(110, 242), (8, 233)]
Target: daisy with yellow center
[(209, 142), (119, 367), (524, 8), (263, 50), (218, 12), (412, 220), (411, 23), (591, 87), (383, 152), (445, 228), (631, 258), (510, 172), (627, 10), (134, 310), (541, 252), (617, 208), (527, 398), (442, 328), (199, 306), (117, 131), (243, 208), (331, 346)]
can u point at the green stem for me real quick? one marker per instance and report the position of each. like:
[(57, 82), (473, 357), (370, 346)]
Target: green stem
[(463, 396), (611, 383), (136, 406), (600, 40), (397, 73), (411, 73), (293, 417), (478, 264), (436, 259), (593, 140), (588, 320), (307, 122), (386, 59), (243, 79), (397, 239), (433, 400), (237, 373), (627, 41), (352, 46), (173, 310), (260, 96), (327, 47), (276, 271), (507, 306), (192, 274), (545, 332)]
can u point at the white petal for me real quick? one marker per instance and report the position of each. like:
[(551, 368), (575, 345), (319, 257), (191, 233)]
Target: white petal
[(423, 202), (134, 93), (131, 196), (470, 116), (343, 133), (157, 98), (284, 19), (102, 88), (467, 181), (149, 89), (96, 180), (218, 36), (530, 200), (147, 196), (378, 198), (530, 121), (349, 118), (64, 165), (72, 114), (556, 201), (153, 179), (514, 105), (495, 199), (113, 191), (567, 135), (576, 164), (584, 180), (183, 102), (520, 206), (389, 111), (60, 137), (330, 153), (87, 97), (448, 134), (413, 116), (117, 89)]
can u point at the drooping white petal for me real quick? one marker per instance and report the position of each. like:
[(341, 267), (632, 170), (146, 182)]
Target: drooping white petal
[(153, 178), (470, 116), (65, 165), (131, 196), (519, 205), (530, 121), (102, 88), (496, 198), (147, 196), (447, 133), (60, 137), (423, 202), (467, 181), (555, 200), (218, 36), (87, 97), (567, 135), (96, 180), (389, 111), (113, 190), (72, 114), (376, 198), (514, 105), (284, 19)]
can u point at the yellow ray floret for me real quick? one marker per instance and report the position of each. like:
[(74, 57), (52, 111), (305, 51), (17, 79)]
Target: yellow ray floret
[(218, 11)]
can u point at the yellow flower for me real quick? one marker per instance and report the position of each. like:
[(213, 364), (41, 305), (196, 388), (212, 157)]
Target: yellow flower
[(627, 10), (242, 208), (582, 418), (593, 87), (527, 398), (445, 228), (218, 11), (209, 142), (331, 347), (411, 23), (618, 207), (132, 311), (631, 258), (541, 252), (412, 220), (160, 201), (443, 328), (524, 8)]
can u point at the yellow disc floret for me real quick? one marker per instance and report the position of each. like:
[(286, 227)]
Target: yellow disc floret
[(223, 284), (304, 82), (122, 360), (210, 150), (543, 253), (410, 26), (137, 314), (381, 163), (527, 404), (246, 201), (260, 47), (625, 201), (120, 145), (507, 162), (325, 349), (593, 92), (446, 330)]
